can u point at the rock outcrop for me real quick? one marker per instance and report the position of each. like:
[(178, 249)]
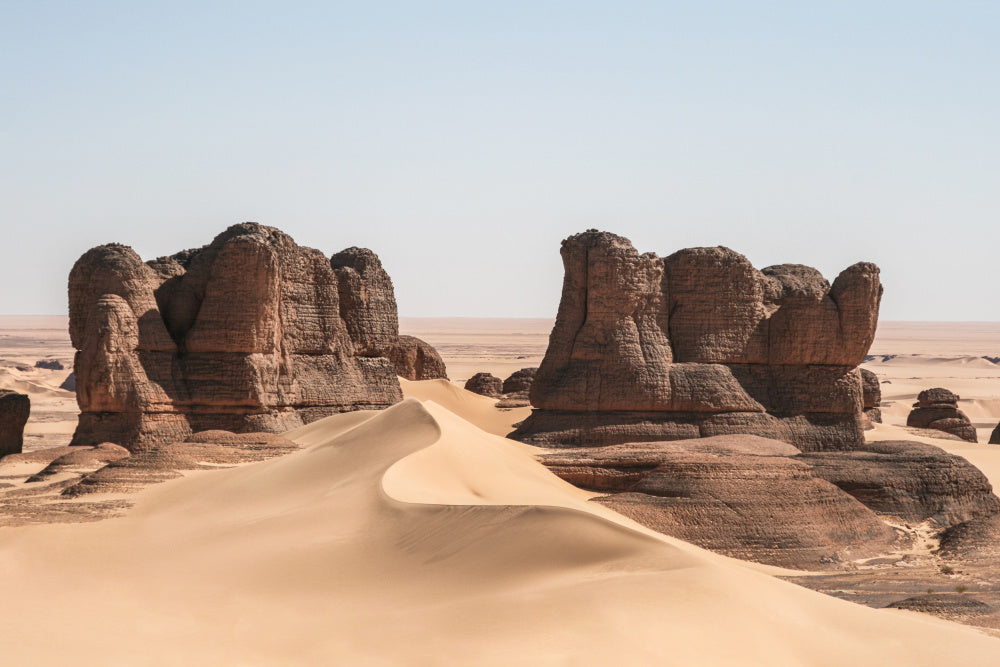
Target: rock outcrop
[(69, 384), (698, 344), (485, 384), (49, 364), (910, 481), (937, 409), (415, 359), (740, 495), (519, 381), (14, 411), (871, 392), (249, 333), (995, 436)]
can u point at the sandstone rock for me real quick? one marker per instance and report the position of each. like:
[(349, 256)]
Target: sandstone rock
[(937, 408), (909, 480), (872, 395), (701, 344), (415, 359), (741, 495), (249, 333), (485, 384), (519, 381), (49, 364), (81, 460), (14, 411)]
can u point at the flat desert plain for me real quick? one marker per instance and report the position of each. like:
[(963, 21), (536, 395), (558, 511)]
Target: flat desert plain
[(419, 535)]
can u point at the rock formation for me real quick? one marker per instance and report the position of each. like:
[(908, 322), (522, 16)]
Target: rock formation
[(69, 384), (49, 364), (700, 343), (249, 333), (871, 396), (519, 381), (741, 495), (485, 384), (995, 436), (14, 411), (415, 359), (937, 409)]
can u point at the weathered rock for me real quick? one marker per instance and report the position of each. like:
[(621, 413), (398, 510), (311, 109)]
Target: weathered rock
[(519, 381), (946, 605), (995, 436), (49, 364), (871, 392), (937, 409), (701, 344), (81, 460), (909, 480), (485, 384), (249, 333), (14, 411), (415, 359), (741, 495)]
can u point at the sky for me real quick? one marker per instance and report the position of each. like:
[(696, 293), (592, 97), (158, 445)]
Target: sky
[(462, 141)]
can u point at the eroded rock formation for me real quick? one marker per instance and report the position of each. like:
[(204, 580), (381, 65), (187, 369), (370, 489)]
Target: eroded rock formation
[(519, 381), (698, 344), (249, 333), (415, 359), (485, 384), (14, 411), (871, 396), (937, 409)]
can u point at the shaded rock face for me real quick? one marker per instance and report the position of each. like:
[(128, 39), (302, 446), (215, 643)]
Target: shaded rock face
[(699, 344), (519, 381), (871, 392), (49, 364), (415, 359), (909, 480), (249, 333), (995, 436), (740, 495), (937, 409), (14, 411), (69, 384), (485, 384)]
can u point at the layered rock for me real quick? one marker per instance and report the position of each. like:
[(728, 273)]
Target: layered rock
[(700, 344), (937, 409), (415, 359), (741, 495), (485, 384), (249, 333), (519, 381), (910, 481), (871, 392), (14, 411)]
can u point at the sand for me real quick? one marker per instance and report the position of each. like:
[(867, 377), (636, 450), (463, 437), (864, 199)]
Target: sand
[(417, 535)]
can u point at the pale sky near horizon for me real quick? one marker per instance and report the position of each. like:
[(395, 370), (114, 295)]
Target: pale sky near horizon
[(463, 140)]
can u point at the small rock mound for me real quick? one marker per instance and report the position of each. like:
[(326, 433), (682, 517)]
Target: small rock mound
[(520, 381), (14, 411), (50, 364), (937, 409), (947, 605), (416, 359), (485, 384), (82, 460)]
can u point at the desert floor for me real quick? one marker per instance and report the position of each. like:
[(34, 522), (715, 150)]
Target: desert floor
[(417, 535)]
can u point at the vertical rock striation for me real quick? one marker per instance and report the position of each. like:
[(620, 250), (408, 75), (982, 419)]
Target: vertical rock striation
[(249, 333), (699, 344)]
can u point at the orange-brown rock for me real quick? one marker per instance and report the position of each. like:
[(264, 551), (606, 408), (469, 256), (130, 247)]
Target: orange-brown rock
[(741, 495), (937, 409), (249, 333), (415, 359), (485, 384), (14, 411), (871, 396), (699, 344)]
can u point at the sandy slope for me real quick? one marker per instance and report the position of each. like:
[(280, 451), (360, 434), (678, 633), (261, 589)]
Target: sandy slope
[(411, 536)]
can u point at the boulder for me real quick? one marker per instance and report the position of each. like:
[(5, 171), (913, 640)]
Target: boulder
[(485, 384), (519, 381), (871, 392), (49, 364), (701, 343), (937, 409), (415, 359), (741, 495), (249, 333), (14, 411)]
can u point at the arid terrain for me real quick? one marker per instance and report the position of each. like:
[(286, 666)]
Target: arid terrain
[(416, 533)]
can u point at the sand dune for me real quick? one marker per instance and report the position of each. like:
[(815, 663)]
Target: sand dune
[(411, 536)]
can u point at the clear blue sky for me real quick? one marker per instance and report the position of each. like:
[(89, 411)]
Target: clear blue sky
[(463, 140)]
